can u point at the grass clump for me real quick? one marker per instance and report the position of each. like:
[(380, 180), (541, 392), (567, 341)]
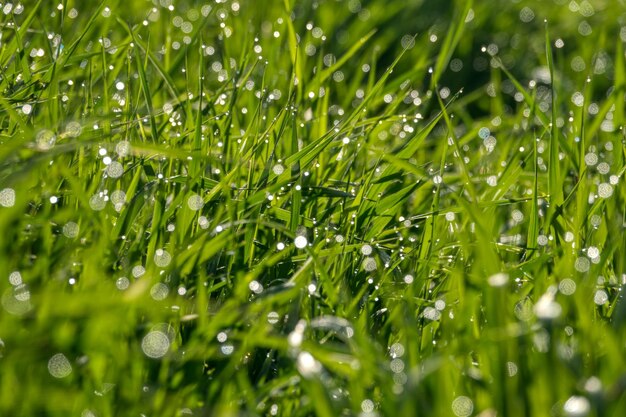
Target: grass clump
[(312, 208)]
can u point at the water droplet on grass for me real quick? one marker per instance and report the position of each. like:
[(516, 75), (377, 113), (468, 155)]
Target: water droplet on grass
[(595, 220), (300, 242), (591, 159), (296, 337), (162, 258), (593, 252), (511, 368), (462, 406), (431, 313), (272, 317), (115, 169), (369, 264), (73, 129), (307, 365), (600, 297), (367, 406), (118, 198), (7, 197), (122, 283), (70, 230), (576, 406), (155, 344), (195, 202), (59, 366), (366, 250), (603, 167), (484, 133), (21, 293), (16, 300), (396, 365), (498, 280), (578, 99), (256, 287), (407, 42), (605, 190), (45, 139), (97, 202), (567, 286), (593, 385), (546, 308), (396, 350), (227, 349), (122, 148), (278, 169), (159, 291), (582, 264), (203, 222), (138, 271), (15, 278), (524, 309)]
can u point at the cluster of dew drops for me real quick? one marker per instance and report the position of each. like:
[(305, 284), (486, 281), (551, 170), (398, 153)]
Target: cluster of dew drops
[(158, 340)]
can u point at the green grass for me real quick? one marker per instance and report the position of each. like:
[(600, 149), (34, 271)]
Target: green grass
[(301, 208)]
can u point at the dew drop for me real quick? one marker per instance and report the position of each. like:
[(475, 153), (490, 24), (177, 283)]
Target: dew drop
[(605, 190), (582, 264), (498, 280), (511, 368), (122, 283), (369, 264), (45, 139), (462, 406), (15, 278), (138, 271), (300, 242), (122, 148), (70, 230), (115, 169), (162, 258), (97, 202), (73, 129), (159, 291), (567, 286), (367, 406), (600, 297), (7, 197), (155, 344), (59, 366), (195, 202), (576, 406), (272, 317), (307, 365)]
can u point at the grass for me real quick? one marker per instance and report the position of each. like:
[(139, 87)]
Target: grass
[(312, 208)]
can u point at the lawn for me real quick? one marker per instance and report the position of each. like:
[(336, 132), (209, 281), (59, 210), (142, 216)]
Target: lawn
[(312, 208)]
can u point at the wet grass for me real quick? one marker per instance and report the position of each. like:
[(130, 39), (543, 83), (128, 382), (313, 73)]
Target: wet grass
[(312, 208)]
